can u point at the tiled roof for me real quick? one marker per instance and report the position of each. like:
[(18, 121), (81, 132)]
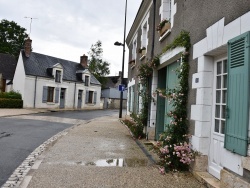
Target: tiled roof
[(7, 66), (114, 81), (36, 64)]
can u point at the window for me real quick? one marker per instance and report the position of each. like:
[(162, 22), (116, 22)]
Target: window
[(220, 97), (165, 10), (86, 80), (58, 76), (91, 97), (134, 50), (144, 36), (50, 96)]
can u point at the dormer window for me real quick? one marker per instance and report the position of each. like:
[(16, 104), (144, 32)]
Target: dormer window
[(86, 80), (58, 76)]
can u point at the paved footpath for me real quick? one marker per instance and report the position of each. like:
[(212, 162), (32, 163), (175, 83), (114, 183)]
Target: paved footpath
[(97, 153)]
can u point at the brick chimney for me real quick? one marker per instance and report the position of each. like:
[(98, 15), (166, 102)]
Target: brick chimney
[(84, 61), (27, 47)]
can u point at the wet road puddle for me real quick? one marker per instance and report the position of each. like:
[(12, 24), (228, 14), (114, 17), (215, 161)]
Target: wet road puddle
[(132, 162)]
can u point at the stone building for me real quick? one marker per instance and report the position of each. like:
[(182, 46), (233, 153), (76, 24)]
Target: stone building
[(218, 97)]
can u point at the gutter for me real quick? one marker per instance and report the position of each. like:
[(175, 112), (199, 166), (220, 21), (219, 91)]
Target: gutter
[(35, 93)]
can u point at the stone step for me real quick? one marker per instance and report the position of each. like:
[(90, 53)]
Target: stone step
[(207, 179)]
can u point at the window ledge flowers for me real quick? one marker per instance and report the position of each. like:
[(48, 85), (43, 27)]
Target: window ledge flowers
[(163, 27)]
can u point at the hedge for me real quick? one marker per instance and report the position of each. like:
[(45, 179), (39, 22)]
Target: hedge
[(10, 95), (11, 103)]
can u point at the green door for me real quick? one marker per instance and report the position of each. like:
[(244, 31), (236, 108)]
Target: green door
[(171, 83), (237, 118), (160, 111)]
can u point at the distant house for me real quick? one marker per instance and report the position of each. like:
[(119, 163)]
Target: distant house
[(7, 70), (49, 82), (111, 94)]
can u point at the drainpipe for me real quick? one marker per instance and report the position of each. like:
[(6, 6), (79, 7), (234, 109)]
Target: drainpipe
[(74, 96), (35, 93), (152, 56)]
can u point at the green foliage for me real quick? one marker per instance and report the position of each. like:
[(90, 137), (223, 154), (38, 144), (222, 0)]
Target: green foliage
[(12, 37), (10, 95), (135, 126), (161, 24), (11, 103), (97, 66), (144, 72), (174, 149), (183, 40)]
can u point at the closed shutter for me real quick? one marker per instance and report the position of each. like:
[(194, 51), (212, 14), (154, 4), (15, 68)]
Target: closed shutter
[(57, 95), (160, 111), (95, 97), (237, 118), (87, 96), (45, 94)]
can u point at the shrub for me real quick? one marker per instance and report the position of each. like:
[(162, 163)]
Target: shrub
[(135, 128), (11, 103), (10, 95)]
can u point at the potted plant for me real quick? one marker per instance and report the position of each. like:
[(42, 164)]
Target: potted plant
[(163, 26), (142, 51), (132, 63)]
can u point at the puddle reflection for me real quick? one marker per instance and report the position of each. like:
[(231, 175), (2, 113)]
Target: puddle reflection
[(117, 163)]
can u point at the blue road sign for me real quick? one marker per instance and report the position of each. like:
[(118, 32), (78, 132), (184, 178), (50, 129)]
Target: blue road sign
[(121, 87)]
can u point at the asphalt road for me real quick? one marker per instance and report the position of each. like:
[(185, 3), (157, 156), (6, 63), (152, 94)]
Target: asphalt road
[(18, 138), (82, 114)]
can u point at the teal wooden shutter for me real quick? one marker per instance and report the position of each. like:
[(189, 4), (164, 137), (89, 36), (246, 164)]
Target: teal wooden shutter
[(45, 94), (237, 118), (95, 96), (87, 97), (160, 111), (57, 95)]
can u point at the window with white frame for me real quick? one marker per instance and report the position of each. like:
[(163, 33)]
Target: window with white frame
[(144, 35), (134, 49), (58, 76), (165, 10), (50, 95), (221, 95)]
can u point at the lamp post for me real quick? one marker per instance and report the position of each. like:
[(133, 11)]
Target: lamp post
[(123, 57)]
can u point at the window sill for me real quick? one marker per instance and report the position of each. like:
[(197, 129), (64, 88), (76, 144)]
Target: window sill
[(132, 66), (164, 35), (50, 103), (142, 57), (90, 104)]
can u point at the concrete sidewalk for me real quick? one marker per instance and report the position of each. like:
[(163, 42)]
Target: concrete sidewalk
[(6, 112), (99, 153)]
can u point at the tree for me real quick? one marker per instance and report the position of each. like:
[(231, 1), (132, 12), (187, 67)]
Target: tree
[(12, 37), (97, 66)]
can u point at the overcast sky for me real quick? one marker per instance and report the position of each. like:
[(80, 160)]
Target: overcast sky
[(67, 29)]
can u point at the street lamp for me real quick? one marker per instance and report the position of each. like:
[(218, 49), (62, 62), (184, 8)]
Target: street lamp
[(123, 56)]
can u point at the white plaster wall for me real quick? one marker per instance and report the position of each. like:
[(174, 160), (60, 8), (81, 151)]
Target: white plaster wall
[(70, 98), (19, 77), (153, 101), (130, 83), (8, 88)]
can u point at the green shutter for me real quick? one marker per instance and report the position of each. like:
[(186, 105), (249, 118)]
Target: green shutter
[(57, 95), (237, 122), (172, 81), (45, 94), (160, 111), (95, 97)]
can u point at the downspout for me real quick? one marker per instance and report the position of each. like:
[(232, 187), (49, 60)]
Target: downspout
[(152, 56), (74, 96), (35, 93)]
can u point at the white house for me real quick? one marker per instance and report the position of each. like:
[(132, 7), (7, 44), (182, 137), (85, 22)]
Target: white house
[(49, 82)]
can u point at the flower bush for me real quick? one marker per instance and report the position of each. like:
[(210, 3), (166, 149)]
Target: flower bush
[(161, 24), (135, 127), (174, 149)]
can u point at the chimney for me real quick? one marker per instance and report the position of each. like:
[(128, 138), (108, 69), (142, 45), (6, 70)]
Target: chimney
[(84, 61), (27, 47)]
